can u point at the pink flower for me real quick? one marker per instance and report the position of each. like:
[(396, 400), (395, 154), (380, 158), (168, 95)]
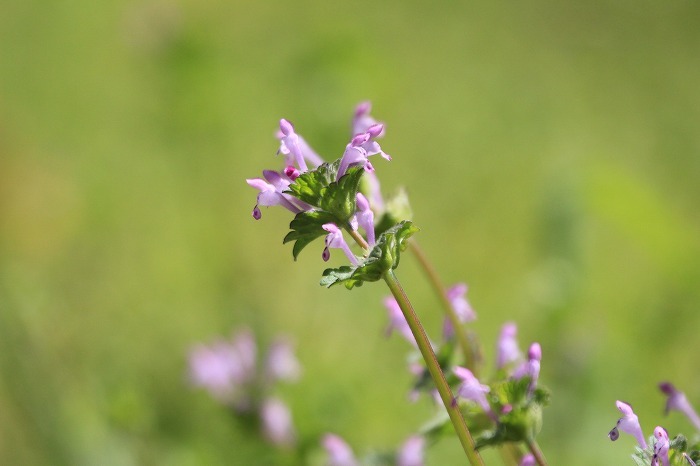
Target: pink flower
[(677, 401), (272, 193), (365, 218), (295, 148), (339, 452), (528, 460), (276, 422), (531, 367), (412, 452), (629, 424), (472, 389), (334, 239), (457, 297), (397, 321), (507, 350), (281, 363), (661, 446)]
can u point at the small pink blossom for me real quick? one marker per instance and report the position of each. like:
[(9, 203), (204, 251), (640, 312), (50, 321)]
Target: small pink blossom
[(339, 452)]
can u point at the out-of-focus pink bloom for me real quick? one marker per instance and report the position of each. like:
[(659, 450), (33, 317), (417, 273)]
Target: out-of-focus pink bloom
[(334, 239), (339, 452), (677, 401), (216, 368), (472, 389), (457, 298), (629, 424), (412, 452), (281, 362), (276, 422), (507, 350), (528, 460), (397, 321), (531, 367), (661, 446)]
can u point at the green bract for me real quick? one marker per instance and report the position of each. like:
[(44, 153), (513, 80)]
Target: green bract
[(383, 257)]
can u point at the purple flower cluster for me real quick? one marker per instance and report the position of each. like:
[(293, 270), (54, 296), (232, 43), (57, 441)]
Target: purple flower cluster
[(629, 424), (229, 371), (411, 453), (299, 158)]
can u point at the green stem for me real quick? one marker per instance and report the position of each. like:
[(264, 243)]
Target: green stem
[(434, 368), (536, 452), (467, 347)]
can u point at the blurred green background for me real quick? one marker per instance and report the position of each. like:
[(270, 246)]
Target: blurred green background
[(551, 151)]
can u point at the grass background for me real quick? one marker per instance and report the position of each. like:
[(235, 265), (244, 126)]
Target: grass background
[(550, 149)]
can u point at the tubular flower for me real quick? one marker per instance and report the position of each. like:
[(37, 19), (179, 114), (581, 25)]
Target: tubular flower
[(360, 147), (531, 367), (361, 121), (628, 423), (677, 401), (334, 239), (295, 148), (507, 350), (457, 297), (661, 446), (339, 452), (412, 452), (472, 389), (365, 218), (272, 193), (281, 363)]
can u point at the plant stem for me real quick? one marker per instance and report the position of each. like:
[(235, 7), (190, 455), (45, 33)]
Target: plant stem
[(468, 351), (434, 368), (357, 237), (536, 452)]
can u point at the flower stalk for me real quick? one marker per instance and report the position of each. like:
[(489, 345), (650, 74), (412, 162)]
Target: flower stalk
[(468, 350), (536, 452), (436, 373)]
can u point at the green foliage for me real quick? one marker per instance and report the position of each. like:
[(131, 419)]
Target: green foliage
[(524, 420), (384, 257), (334, 200), (306, 227), (678, 454)]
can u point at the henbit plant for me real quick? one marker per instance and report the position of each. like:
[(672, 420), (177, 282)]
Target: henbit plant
[(332, 199)]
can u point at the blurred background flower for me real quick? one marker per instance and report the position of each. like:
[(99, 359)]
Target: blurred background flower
[(550, 151)]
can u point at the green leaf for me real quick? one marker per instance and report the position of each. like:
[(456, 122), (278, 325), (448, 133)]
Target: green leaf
[(320, 189), (383, 257), (306, 227)]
